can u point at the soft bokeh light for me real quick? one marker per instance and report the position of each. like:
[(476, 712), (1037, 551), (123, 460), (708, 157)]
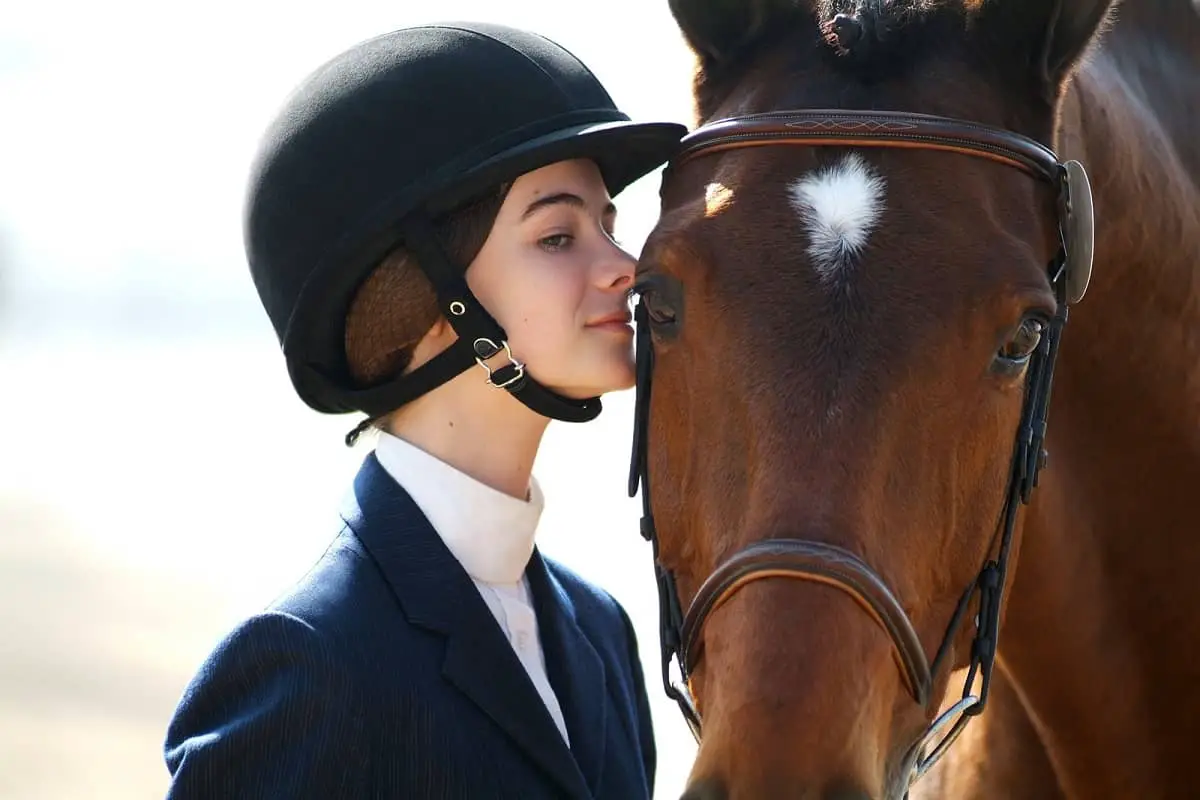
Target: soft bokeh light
[(158, 479)]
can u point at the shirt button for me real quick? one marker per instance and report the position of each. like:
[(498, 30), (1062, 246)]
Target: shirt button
[(523, 639)]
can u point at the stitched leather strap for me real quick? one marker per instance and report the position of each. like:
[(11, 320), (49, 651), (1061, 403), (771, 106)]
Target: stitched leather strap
[(820, 563), (891, 129)]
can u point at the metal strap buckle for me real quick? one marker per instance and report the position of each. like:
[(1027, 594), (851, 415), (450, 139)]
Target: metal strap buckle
[(939, 738), (486, 349)]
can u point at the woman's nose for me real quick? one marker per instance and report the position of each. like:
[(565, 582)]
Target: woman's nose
[(617, 269)]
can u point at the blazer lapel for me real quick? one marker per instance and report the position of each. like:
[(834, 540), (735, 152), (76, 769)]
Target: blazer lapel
[(575, 669), (436, 593)]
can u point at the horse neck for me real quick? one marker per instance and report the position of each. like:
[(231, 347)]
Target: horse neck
[(1104, 614), (1140, 149)]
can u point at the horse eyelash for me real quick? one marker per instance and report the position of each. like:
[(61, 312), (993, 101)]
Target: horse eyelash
[(640, 289)]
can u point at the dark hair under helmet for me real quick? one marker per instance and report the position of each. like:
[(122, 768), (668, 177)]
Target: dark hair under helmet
[(384, 138)]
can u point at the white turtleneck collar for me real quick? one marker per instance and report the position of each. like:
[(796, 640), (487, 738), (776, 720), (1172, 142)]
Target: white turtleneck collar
[(489, 532)]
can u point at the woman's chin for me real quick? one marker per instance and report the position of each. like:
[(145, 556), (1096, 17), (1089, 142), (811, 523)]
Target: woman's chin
[(597, 388), (611, 375)]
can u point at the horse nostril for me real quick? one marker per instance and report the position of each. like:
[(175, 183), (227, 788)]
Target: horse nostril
[(705, 789)]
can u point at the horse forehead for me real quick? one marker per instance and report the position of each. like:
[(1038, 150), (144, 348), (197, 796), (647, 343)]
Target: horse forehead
[(825, 207), (837, 212), (838, 207)]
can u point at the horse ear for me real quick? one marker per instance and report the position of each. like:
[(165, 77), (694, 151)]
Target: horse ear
[(1049, 36), (718, 29)]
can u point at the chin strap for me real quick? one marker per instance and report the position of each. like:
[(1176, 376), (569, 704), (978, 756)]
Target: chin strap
[(481, 342)]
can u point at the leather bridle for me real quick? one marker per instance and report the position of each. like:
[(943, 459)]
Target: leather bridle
[(1069, 272)]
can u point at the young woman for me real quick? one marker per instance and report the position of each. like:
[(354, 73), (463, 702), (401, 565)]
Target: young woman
[(429, 226)]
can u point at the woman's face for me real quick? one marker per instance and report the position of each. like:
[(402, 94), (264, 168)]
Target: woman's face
[(556, 281)]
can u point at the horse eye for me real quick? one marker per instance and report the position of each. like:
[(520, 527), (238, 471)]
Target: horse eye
[(1016, 351), (659, 311)]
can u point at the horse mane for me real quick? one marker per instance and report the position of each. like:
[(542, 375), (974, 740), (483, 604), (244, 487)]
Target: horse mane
[(877, 39)]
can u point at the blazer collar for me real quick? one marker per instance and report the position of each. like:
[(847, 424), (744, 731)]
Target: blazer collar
[(575, 669), (436, 593)]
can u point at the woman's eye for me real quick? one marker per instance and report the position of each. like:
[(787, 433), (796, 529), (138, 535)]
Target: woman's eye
[(557, 241)]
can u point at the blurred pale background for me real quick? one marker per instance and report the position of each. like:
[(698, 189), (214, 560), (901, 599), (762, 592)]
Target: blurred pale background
[(158, 480)]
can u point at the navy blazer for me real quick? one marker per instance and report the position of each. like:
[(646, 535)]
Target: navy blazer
[(382, 674)]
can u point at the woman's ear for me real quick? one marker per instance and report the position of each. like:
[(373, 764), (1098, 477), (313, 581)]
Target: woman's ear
[(391, 311), (439, 336)]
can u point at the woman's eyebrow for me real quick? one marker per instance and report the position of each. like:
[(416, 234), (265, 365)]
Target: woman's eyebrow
[(567, 198)]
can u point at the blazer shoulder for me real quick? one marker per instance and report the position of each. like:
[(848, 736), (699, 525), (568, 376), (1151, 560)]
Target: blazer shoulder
[(273, 690), (342, 596), (271, 644)]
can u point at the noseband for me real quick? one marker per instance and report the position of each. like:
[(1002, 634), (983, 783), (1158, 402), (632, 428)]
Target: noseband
[(1069, 273)]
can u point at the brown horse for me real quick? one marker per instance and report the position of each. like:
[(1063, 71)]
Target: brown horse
[(851, 321)]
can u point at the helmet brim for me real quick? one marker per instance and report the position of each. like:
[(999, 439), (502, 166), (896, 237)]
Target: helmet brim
[(624, 151)]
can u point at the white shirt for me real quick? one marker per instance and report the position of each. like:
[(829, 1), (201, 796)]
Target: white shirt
[(491, 534)]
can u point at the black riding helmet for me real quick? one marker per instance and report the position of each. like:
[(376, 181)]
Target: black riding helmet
[(380, 141)]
